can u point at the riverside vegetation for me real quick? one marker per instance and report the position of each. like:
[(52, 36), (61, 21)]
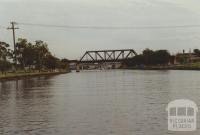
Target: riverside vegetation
[(29, 59), (36, 59), (162, 59)]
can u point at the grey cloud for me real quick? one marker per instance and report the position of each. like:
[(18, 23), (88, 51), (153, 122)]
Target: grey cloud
[(72, 43)]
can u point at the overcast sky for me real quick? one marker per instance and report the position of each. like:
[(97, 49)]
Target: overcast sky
[(72, 43)]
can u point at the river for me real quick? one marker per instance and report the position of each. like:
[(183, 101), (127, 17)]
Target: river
[(112, 102)]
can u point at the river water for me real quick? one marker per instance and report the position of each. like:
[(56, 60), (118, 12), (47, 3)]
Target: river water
[(113, 102)]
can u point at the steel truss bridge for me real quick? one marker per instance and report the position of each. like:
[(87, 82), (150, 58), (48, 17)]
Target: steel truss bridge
[(104, 56), (107, 56)]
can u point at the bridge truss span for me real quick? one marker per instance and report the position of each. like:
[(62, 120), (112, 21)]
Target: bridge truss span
[(107, 56)]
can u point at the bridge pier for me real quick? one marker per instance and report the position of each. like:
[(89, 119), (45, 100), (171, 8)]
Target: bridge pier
[(77, 68)]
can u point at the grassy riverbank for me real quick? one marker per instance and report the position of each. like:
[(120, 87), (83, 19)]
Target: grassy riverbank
[(23, 74)]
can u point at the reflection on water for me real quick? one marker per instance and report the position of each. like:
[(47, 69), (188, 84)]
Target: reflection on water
[(118, 102)]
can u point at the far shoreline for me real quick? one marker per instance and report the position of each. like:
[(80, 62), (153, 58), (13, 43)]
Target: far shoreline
[(172, 67)]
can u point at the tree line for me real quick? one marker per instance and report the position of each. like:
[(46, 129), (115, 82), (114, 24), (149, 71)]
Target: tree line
[(150, 57), (29, 56)]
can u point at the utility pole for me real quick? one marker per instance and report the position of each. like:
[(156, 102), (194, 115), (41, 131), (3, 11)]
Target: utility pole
[(13, 28)]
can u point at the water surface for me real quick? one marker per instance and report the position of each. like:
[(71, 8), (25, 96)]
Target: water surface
[(113, 102)]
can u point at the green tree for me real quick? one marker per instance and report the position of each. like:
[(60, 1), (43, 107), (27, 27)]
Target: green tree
[(135, 61), (197, 52), (148, 56), (37, 55), (41, 53), (29, 54), (51, 62), (161, 57), (21, 46), (5, 55)]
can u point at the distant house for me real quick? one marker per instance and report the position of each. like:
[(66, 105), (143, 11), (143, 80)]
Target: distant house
[(183, 58), (195, 59)]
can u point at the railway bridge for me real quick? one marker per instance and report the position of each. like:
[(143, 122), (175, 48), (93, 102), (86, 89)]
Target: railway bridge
[(103, 59)]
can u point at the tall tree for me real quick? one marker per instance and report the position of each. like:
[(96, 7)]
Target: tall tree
[(21, 45), (5, 55), (148, 56), (197, 52), (51, 62), (161, 57), (41, 52)]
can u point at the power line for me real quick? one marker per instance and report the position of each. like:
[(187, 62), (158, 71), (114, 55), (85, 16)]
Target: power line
[(111, 27)]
